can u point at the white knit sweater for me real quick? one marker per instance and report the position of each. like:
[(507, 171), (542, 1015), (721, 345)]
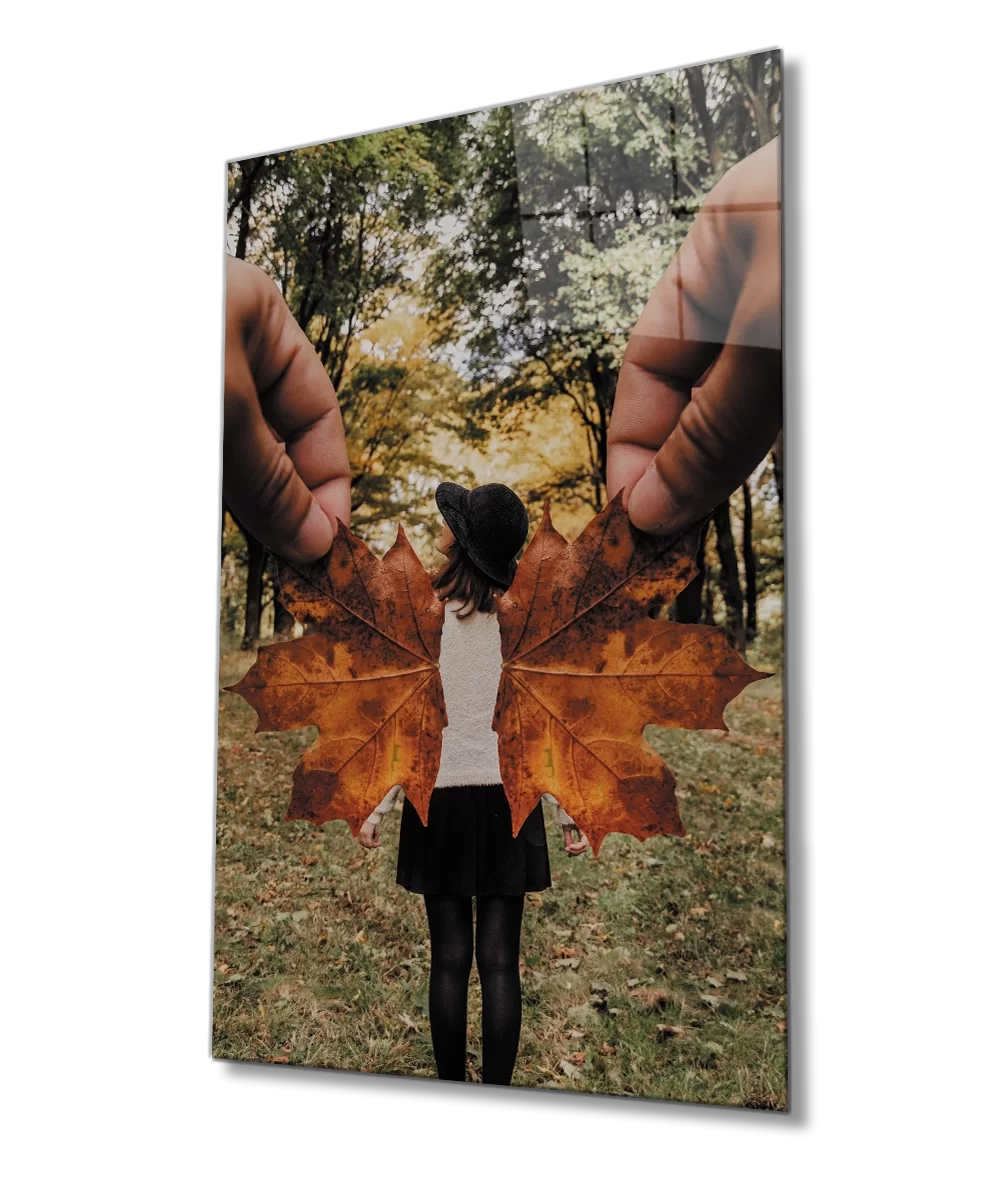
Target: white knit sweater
[(470, 675)]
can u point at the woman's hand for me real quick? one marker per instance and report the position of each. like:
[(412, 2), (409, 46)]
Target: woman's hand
[(369, 836), (574, 841)]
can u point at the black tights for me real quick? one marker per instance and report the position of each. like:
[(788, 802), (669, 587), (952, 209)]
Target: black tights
[(498, 944)]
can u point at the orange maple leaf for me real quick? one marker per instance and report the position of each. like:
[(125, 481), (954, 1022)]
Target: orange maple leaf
[(367, 677), (586, 668)]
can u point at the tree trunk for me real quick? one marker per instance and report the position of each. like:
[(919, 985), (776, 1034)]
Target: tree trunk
[(699, 102), (284, 622), (256, 554), (708, 602), (250, 171), (755, 98), (749, 564), (688, 605), (729, 577), (778, 461)]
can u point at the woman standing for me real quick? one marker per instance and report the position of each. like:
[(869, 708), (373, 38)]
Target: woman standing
[(467, 849)]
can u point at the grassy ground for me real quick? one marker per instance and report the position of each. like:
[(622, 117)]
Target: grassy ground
[(657, 969)]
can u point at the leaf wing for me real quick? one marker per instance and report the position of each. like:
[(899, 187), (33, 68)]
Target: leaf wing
[(367, 678), (586, 669)]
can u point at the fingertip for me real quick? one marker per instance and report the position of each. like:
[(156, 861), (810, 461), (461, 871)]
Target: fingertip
[(650, 506), (314, 538)]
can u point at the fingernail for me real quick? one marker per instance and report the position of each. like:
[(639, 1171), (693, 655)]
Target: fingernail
[(314, 538)]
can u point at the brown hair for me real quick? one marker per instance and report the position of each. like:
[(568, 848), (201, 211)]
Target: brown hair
[(460, 579)]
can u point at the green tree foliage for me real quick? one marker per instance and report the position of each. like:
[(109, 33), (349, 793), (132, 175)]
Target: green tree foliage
[(477, 278), (341, 226), (575, 205)]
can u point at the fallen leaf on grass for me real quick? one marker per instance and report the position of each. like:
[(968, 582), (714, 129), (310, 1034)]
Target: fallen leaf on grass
[(737, 976), (607, 1050), (782, 1026), (278, 1058), (652, 999), (568, 1068), (665, 1032), (712, 981), (711, 1001)]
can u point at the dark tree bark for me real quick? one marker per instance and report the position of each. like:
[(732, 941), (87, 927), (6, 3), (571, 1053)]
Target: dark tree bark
[(778, 461), (251, 170), (749, 564), (756, 96), (699, 102), (708, 602), (688, 605), (729, 577), (284, 622), (250, 173), (256, 556)]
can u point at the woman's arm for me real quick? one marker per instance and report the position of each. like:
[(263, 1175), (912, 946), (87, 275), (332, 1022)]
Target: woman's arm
[(574, 841), (387, 805), (369, 835)]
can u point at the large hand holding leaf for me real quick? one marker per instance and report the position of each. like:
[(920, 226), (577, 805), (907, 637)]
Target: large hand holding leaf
[(367, 677), (586, 669)]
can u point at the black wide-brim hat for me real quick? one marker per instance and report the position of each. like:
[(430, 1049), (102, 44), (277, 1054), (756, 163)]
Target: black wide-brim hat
[(490, 524)]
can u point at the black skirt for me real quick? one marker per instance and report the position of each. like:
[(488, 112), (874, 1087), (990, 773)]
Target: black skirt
[(467, 848)]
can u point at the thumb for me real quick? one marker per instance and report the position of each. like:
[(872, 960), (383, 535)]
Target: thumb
[(723, 433), (261, 485)]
